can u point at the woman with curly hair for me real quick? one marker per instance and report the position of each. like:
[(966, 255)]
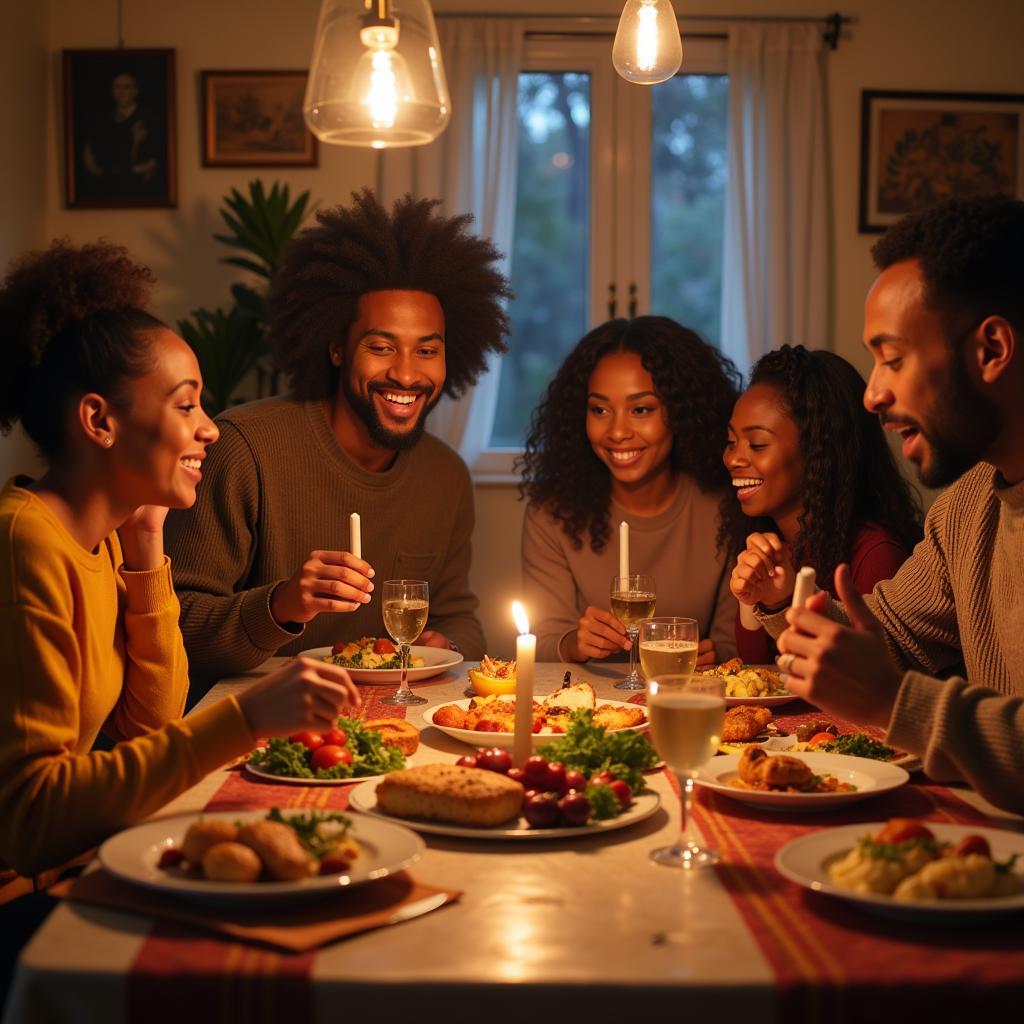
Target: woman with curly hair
[(814, 484), (88, 616), (627, 431)]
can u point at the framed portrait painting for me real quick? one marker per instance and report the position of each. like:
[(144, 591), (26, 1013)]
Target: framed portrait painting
[(119, 128), (254, 119), (920, 147)]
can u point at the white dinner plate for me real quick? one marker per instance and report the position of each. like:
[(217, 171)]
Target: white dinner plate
[(870, 778), (505, 739), (773, 701), (806, 861), (134, 856), (437, 661), (296, 780), (364, 798)]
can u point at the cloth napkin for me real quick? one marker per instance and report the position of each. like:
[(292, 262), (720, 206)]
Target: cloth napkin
[(296, 927)]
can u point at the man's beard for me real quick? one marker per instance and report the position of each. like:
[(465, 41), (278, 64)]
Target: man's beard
[(366, 410)]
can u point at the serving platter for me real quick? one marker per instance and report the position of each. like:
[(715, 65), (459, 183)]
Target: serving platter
[(134, 856), (806, 861), (505, 739), (297, 780), (364, 798), (437, 661), (870, 777)]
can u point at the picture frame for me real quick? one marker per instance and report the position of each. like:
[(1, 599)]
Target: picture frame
[(119, 128), (254, 119), (920, 147)]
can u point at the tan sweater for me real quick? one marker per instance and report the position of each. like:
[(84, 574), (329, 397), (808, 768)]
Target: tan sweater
[(956, 609), (677, 547), (277, 486)]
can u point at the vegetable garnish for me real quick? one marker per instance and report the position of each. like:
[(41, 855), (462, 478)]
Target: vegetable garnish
[(316, 839), (857, 744), (896, 851)]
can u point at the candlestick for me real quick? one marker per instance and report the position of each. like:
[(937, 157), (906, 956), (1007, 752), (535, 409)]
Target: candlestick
[(804, 586), (624, 549), (355, 539), (526, 653)]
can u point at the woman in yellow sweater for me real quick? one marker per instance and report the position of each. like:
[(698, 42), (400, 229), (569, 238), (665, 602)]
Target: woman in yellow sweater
[(88, 615)]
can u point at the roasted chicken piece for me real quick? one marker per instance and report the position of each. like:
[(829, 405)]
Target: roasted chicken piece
[(758, 768), (743, 724)]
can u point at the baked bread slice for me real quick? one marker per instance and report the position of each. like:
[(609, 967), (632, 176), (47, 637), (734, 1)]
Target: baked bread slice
[(448, 792), (397, 732)]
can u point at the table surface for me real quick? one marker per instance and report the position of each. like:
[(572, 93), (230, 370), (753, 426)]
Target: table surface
[(593, 922)]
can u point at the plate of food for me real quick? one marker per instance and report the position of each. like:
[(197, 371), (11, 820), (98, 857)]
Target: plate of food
[(251, 857), (919, 871), (797, 782), (490, 720), (450, 800), (352, 751), (763, 685), (375, 662)]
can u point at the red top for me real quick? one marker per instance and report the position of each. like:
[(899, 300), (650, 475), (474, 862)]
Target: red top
[(875, 555)]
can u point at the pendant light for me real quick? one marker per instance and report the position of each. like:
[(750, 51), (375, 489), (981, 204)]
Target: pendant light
[(647, 47), (376, 77)]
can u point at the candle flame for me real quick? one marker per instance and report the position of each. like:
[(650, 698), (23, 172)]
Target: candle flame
[(519, 614)]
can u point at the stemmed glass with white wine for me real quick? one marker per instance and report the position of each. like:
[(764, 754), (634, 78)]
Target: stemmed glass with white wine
[(668, 646), (405, 606), (687, 713), (633, 600)]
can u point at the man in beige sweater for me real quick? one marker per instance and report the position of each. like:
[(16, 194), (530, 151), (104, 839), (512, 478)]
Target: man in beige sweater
[(936, 655), (375, 315)]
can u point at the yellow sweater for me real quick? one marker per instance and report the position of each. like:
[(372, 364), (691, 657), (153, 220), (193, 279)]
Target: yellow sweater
[(87, 646)]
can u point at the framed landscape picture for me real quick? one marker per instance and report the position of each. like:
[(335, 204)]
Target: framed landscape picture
[(254, 119), (119, 128), (920, 147)]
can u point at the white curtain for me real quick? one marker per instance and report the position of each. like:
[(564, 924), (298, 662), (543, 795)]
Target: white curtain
[(472, 169), (776, 274)]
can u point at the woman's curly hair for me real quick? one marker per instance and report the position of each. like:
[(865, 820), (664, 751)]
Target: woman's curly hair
[(696, 383), (72, 320), (850, 476), (362, 248)]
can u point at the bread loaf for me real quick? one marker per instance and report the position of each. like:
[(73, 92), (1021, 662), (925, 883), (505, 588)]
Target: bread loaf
[(396, 732), (448, 792)]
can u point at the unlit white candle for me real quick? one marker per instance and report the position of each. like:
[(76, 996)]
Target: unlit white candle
[(624, 550), (526, 655), (355, 539), (804, 586)]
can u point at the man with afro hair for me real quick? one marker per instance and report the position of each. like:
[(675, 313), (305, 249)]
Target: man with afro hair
[(374, 315), (936, 654)]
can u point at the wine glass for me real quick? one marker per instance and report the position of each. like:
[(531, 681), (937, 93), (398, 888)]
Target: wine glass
[(405, 606), (687, 713), (633, 599), (668, 646)]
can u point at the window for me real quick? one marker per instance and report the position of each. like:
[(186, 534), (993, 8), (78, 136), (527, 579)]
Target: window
[(620, 206)]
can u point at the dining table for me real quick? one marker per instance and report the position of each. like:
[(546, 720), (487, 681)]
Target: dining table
[(585, 927)]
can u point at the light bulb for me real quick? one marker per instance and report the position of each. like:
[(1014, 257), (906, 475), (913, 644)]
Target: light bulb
[(647, 47)]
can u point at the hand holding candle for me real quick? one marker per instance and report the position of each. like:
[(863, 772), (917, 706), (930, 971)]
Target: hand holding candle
[(526, 652)]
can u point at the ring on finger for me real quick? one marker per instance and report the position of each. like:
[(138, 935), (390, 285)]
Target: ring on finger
[(786, 662)]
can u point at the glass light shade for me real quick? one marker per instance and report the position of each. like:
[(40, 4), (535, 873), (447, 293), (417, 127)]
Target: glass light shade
[(647, 47), (376, 77)]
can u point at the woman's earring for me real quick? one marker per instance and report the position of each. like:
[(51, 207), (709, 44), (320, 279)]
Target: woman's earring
[(107, 441), (335, 357)]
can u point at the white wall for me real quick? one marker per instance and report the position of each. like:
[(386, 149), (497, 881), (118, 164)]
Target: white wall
[(894, 44)]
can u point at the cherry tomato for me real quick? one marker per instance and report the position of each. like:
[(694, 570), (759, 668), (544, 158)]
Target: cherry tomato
[(575, 780), (339, 647), (821, 737), (900, 830), (529, 794), (517, 775), (537, 725), (574, 808), (602, 778), (309, 739), (622, 792), (541, 811), (335, 737), (467, 761), (972, 844), (556, 777), (171, 858), (334, 864), (536, 771), (328, 756), (382, 645), (485, 725), (558, 728), (494, 759)]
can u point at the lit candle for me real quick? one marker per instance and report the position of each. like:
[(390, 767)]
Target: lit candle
[(355, 539), (624, 549), (526, 653), (804, 586)]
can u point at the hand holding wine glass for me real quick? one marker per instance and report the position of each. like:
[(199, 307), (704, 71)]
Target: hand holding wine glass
[(633, 600), (405, 605)]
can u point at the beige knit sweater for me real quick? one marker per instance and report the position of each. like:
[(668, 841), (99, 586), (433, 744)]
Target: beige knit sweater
[(954, 619)]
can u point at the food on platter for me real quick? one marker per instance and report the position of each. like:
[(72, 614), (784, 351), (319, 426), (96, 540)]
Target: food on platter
[(748, 680), (906, 860), (396, 732), (350, 750), (744, 724), (369, 652), (806, 730), (494, 676), (448, 792), (276, 848), (853, 744), (781, 773)]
